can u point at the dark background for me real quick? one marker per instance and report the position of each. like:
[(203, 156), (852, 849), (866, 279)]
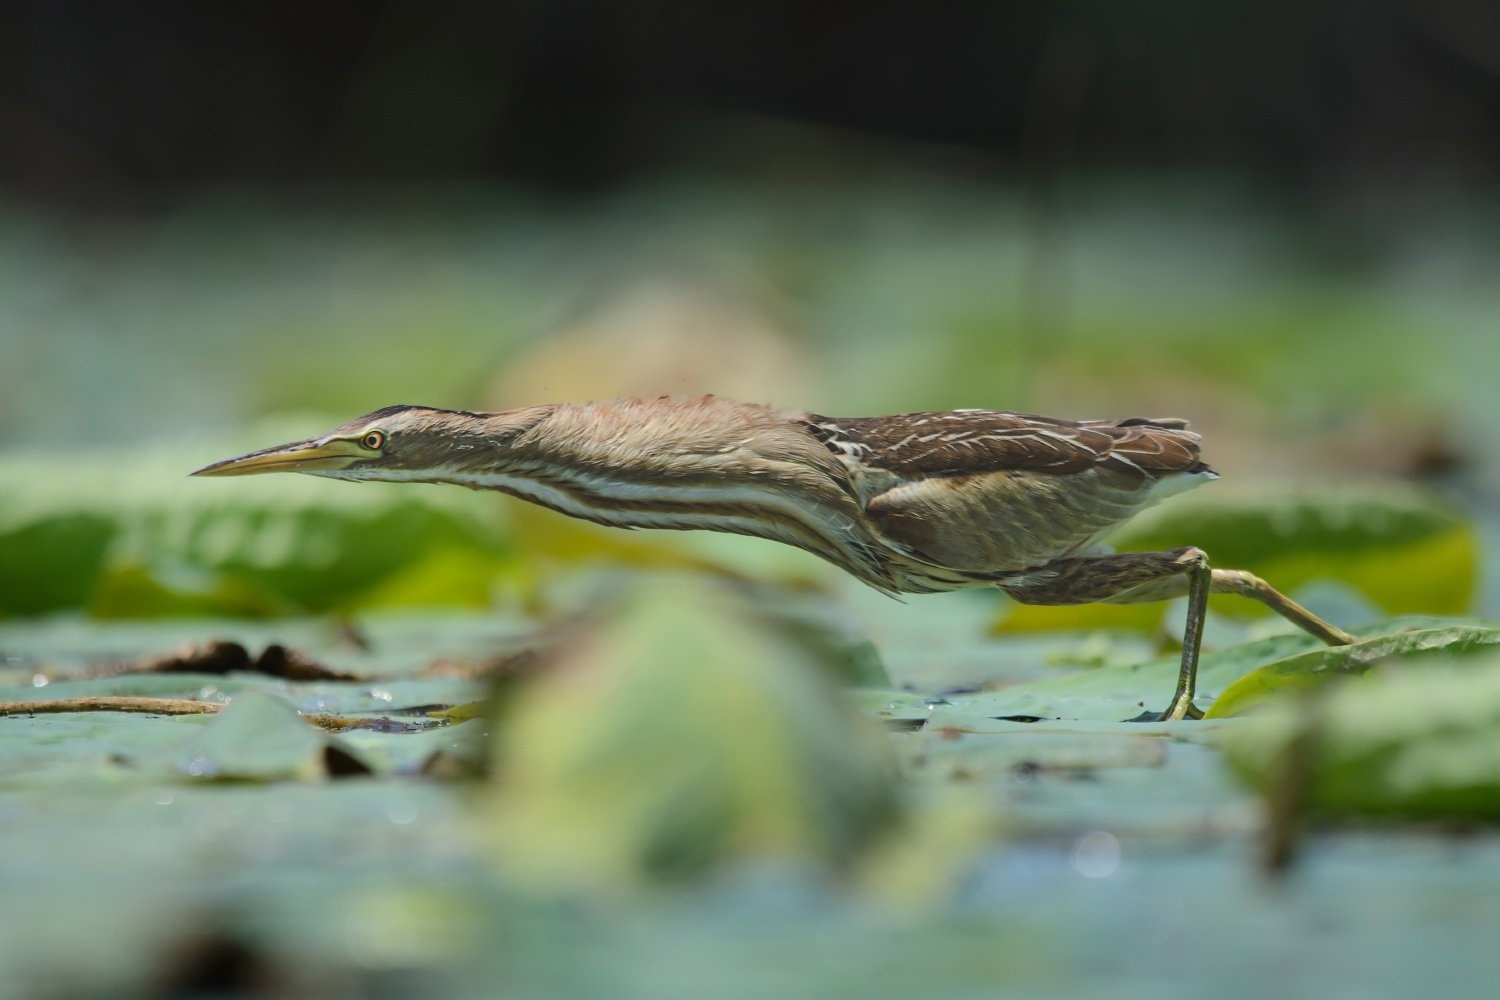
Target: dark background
[(120, 105), (1277, 218)]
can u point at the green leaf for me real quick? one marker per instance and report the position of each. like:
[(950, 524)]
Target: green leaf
[(466, 712), (1315, 667), (1128, 690), (1124, 691), (87, 748), (446, 576), (1421, 742), (155, 543), (260, 737), (464, 744), (680, 732), (49, 557)]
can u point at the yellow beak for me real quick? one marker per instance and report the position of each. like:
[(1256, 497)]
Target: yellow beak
[(301, 456)]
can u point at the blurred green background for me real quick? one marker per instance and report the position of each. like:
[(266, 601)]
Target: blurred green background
[(220, 230), (226, 226)]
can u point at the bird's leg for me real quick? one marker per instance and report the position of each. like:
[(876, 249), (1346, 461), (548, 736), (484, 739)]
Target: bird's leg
[(1137, 577), (1199, 578), (1237, 581)]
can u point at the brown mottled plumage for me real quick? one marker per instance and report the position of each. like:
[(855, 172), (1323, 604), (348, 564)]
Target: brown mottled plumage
[(917, 502), (983, 496)]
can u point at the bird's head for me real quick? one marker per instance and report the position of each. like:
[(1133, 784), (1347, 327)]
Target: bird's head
[(394, 444)]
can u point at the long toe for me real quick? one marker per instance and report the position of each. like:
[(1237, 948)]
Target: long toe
[(1182, 707)]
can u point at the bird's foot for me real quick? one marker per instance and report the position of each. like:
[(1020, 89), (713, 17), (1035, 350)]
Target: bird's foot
[(1182, 707)]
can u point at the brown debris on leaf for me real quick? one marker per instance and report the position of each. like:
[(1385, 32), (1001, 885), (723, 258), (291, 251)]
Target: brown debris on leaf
[(277, 660), (111, 703), (375, 724), (518, 663), (220, 657)]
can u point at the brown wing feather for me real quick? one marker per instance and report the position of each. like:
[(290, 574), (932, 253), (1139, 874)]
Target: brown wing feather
[(1161, 446), (965, 442)]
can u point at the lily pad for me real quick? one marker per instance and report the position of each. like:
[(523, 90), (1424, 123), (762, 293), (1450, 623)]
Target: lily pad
[(154, 545), (1417, 743), (1124, 691), (89, 748), (1307, 670), (463, 744), (1127, 691), (259, 737)]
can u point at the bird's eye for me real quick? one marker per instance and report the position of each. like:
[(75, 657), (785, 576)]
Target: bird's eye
[(375, 440)]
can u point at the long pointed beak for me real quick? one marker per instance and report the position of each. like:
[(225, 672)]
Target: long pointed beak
[(301, 456)]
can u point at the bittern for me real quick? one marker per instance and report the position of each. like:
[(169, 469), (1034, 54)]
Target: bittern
[(912, 503)]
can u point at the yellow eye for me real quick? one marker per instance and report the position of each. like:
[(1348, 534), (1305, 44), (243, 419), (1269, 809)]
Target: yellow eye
[(375, 440)]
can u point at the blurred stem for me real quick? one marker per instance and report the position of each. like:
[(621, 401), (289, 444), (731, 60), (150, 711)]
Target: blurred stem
[(1286, 795)]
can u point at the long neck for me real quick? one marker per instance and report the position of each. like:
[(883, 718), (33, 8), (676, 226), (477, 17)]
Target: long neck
[(694, 464)]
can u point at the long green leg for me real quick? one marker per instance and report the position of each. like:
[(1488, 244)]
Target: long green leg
[(1199, 578), (1237, 581)]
